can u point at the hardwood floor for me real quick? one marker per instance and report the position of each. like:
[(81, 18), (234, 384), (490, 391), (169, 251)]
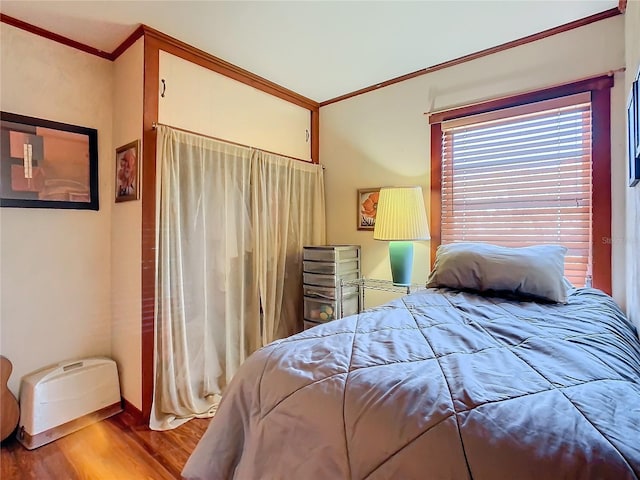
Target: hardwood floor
[(113, 449)]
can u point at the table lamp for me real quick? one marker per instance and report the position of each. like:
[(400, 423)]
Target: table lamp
[(400, 219)]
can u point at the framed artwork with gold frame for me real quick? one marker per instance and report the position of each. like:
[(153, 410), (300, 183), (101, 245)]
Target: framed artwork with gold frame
[(128, 172)]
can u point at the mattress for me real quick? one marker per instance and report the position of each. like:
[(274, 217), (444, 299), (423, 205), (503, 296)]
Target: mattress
[(439, 384)]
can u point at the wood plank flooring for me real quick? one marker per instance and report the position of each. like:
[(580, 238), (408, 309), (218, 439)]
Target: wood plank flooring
[(113, 449)]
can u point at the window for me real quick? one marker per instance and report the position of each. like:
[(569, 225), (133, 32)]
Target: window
[(517, 173)]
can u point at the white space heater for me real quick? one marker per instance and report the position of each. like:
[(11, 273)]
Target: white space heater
[(59, 400)]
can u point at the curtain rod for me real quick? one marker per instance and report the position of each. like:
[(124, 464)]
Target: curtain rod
[(154, 126), (609, 73)]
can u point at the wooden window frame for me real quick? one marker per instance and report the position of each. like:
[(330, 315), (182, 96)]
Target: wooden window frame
[(600, 90)]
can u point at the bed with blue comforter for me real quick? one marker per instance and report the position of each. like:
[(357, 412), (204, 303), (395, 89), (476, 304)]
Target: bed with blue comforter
[(439, 384)]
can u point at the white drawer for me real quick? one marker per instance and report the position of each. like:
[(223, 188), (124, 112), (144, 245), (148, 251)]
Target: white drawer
[(331, 267), (327, 280), (324, 310), (308, 324), (331, 253), (327, 292)]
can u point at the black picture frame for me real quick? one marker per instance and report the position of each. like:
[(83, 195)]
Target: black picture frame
[(633, 135), (636, 99), (47, 164)]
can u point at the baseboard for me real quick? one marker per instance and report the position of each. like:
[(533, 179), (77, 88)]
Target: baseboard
[(133, 411)]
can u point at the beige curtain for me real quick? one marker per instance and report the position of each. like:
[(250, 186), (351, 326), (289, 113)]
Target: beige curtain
[(288, 213), (207, 313), (231, 225)]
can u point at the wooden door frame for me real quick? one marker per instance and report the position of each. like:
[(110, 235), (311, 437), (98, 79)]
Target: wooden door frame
[(154, 42)]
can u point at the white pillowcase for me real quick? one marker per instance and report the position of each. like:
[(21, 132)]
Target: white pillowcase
[(535, 272)]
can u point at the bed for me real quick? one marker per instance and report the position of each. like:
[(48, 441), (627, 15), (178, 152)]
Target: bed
[(440, 384)]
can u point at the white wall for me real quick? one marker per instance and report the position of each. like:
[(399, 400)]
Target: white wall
[(203, 101), (126, 231), (632, 240), (383, 137), (55, 270)]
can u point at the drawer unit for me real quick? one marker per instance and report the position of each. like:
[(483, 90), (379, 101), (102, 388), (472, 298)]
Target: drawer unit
[(324, 267)]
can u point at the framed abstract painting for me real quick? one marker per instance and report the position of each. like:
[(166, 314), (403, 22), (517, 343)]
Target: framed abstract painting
[(47, 164)]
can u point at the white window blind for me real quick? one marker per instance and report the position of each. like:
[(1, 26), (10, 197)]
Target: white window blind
[(522, 176)]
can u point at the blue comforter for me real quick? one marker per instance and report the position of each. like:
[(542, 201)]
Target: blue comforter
[(439, 384)]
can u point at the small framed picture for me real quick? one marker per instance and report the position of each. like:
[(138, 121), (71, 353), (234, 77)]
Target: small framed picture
[(128, 172), (367, 207)]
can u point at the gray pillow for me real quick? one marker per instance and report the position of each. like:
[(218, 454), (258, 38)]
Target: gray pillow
[(535, 272)]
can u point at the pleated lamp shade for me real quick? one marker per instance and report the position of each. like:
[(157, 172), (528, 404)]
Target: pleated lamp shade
[(401, 218), (401, 215)]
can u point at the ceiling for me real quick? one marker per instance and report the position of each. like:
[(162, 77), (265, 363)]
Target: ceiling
[(319, 49)]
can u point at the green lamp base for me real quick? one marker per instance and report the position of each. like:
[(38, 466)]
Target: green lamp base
[(401, 257)]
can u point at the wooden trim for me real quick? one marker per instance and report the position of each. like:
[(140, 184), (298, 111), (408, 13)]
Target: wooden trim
[(148, 277), (133, 411), (206, 60), (180, 49), (315, 135), (622, 6), (612, 12), (585, 85), (436, 189), (130, 40), (14, 22), (601, 197)]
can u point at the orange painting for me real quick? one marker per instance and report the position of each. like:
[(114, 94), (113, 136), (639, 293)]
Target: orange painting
[(47, 164), (367, 207)]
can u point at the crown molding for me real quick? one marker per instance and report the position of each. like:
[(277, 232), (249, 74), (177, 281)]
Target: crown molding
[(204, 59), (14, 22), (482, 53), (130, 40)]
